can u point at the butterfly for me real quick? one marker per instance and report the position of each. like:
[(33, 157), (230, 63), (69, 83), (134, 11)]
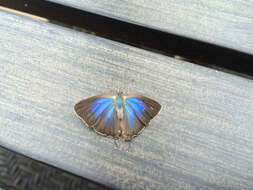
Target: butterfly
[(118, 115)]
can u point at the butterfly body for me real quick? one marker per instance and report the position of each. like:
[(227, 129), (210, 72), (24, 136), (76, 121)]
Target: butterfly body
[(117, 116)]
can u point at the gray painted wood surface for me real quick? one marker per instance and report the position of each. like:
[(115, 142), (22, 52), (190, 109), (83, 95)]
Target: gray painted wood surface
[(202, 139), (221, 22)]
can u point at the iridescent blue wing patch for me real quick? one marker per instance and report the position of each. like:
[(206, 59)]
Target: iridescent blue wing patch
[(137, 105), (139, 111), (100, 105), (130, 116), (99, 112)]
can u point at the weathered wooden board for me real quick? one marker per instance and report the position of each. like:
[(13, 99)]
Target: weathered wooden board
[(221, 22), (202, 139)]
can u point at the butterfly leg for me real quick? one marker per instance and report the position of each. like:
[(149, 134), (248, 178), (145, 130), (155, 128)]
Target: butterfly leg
[(129, 146), (116, 142)]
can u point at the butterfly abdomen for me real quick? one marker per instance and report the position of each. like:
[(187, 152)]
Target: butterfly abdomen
[(119, 107)]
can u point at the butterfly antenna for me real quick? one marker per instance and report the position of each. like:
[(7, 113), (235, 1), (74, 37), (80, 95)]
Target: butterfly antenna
[(120, 92)]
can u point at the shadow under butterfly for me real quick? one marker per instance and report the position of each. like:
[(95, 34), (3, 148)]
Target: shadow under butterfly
[(118, 115)]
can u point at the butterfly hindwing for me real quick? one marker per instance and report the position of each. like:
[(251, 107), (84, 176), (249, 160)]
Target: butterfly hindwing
[(139, 111), (99, 112), (132, 125)]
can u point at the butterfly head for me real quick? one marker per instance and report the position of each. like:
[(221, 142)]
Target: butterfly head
[(120, 93)]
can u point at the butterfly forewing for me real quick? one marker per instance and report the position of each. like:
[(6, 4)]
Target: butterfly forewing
[(99, 112), (139, 111)]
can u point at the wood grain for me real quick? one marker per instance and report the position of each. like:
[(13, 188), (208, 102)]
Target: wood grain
[(202, 139), (220, 22)]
